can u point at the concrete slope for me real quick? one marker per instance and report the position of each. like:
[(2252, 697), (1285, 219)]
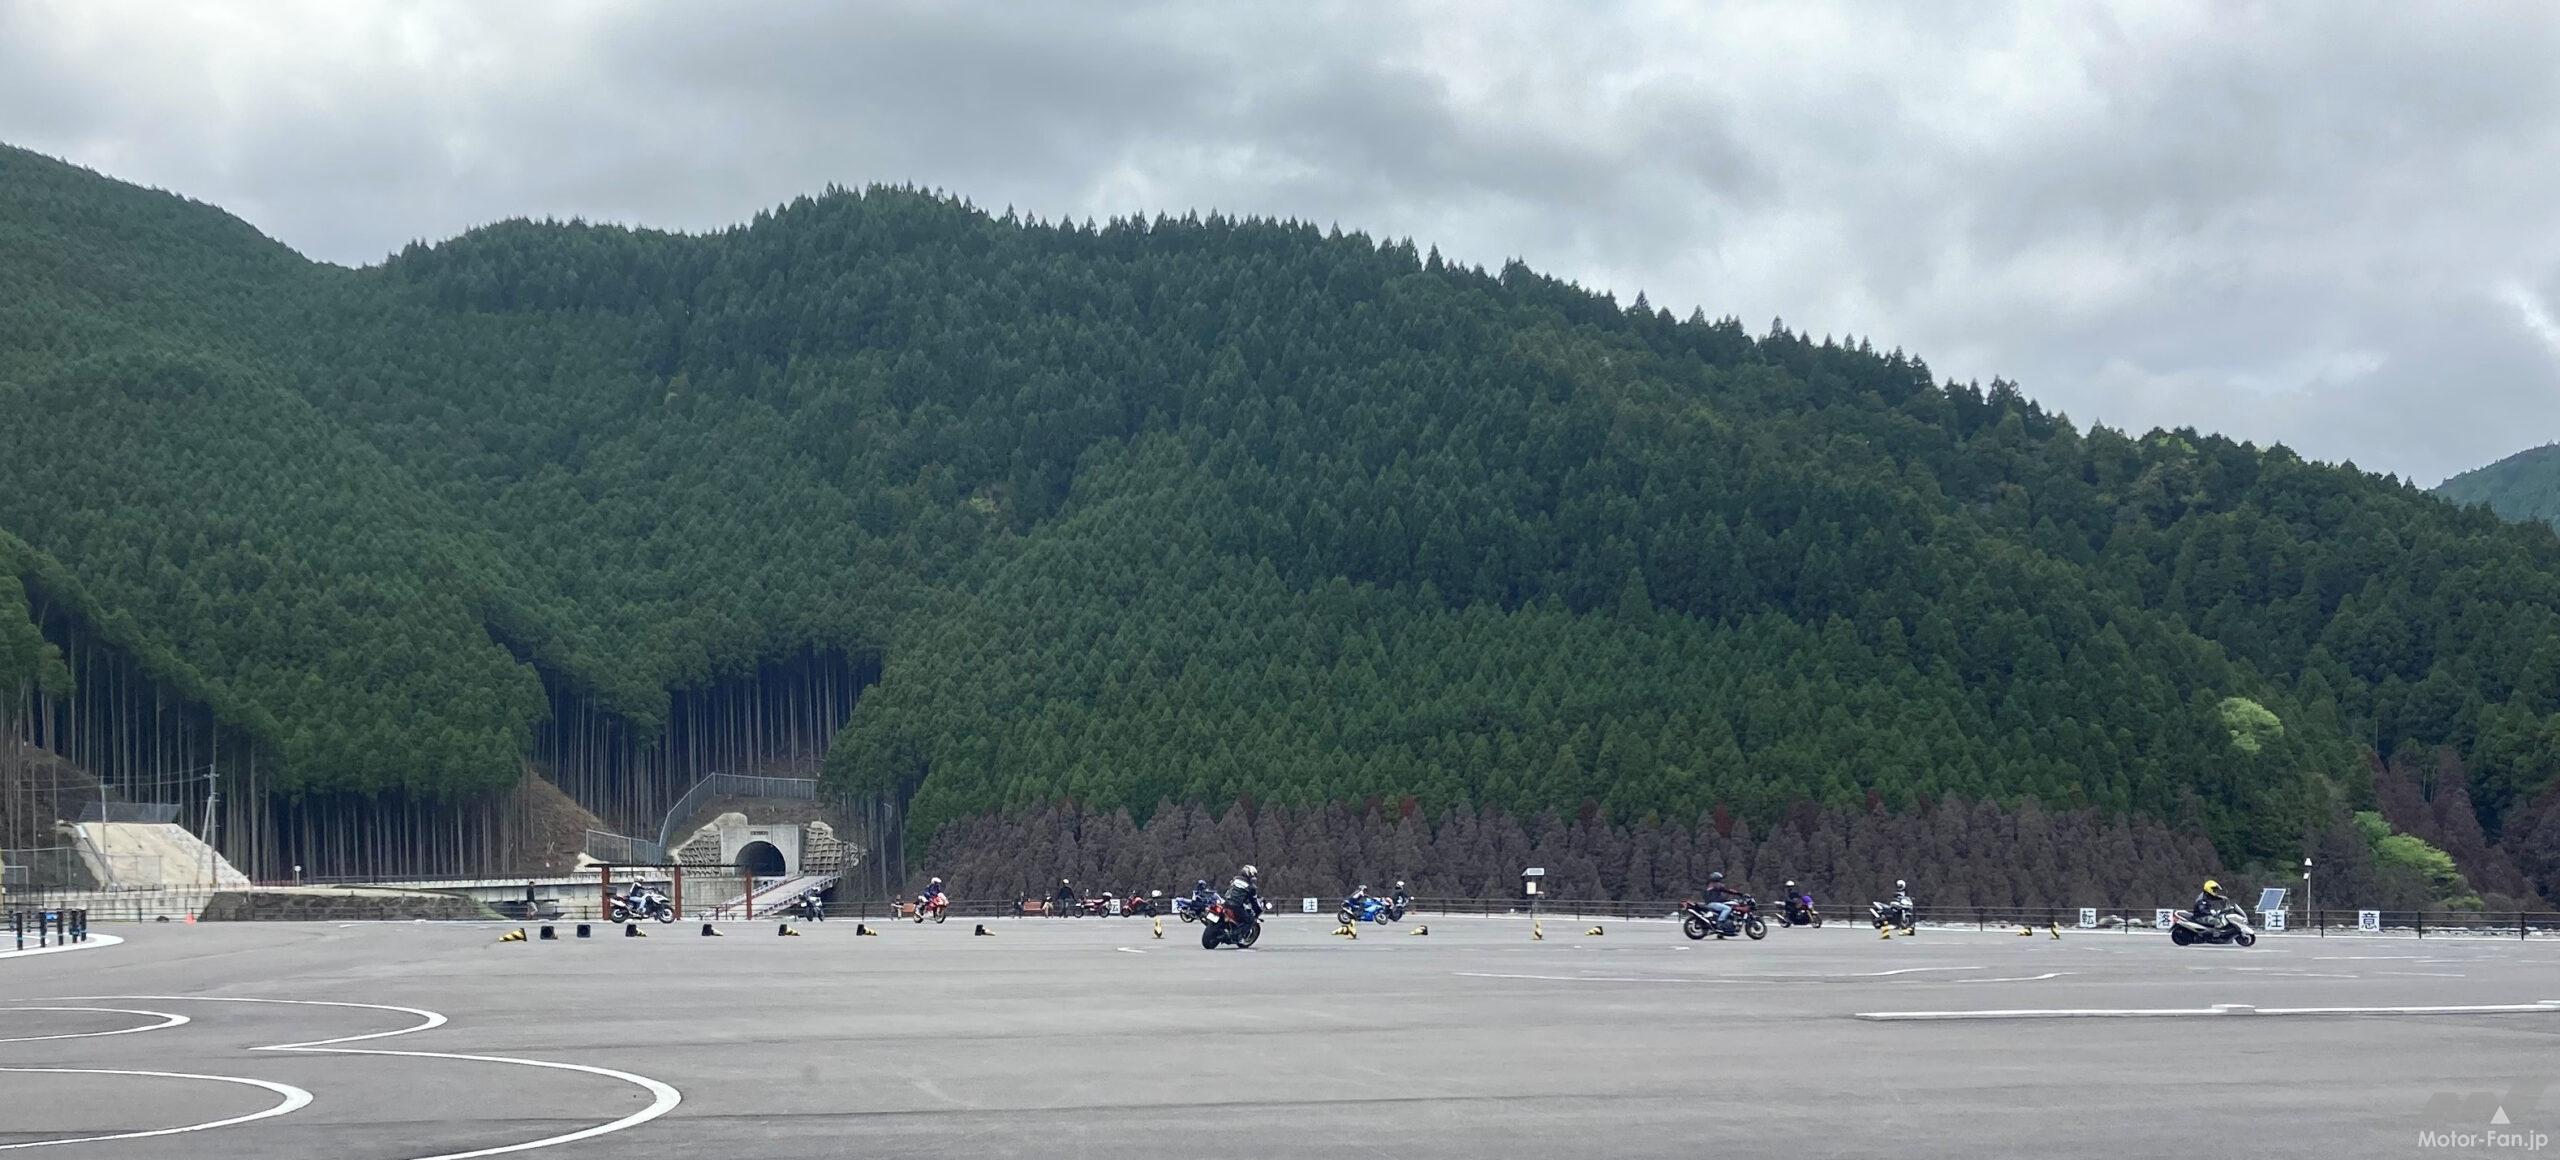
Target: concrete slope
[(140, 856)]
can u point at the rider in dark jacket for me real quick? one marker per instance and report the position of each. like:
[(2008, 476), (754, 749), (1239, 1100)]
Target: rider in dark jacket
[(1244, 894), (2209, 905), (1720, 900)]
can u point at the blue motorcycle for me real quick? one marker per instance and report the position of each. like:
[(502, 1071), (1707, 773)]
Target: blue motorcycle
[(1370, 909)]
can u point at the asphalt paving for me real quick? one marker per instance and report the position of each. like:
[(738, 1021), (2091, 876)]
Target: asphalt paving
[(1092, 1037)]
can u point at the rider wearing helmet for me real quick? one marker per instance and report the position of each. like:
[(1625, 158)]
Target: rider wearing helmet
[(1720, 900), (932, 890), (1066, 897), (2210, 904), (1400, 898), (1244, 894)]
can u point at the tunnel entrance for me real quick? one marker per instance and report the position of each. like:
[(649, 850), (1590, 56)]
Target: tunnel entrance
[(761, 860)]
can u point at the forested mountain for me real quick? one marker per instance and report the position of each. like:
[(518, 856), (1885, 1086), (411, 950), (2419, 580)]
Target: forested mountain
[(1183, 519), (2522, 486)]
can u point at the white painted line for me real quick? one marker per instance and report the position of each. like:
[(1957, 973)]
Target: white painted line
[(166, 1020), (294, 1099), (2545, 1007), (2425, 974), (663, 1098), (1131, 950), (95, 942), (2020, 978)]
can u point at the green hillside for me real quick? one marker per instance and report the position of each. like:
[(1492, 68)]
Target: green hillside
[(2522, 486), (996, 514)]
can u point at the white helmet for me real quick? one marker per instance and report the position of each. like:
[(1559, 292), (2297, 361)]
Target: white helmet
[(1250, 872), (1899, 884)]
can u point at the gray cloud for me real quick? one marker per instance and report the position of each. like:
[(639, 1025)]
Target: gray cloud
[(2327, 225)]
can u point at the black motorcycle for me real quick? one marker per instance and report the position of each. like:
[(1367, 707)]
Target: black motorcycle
[(1743, 919), (1890, 914), (1797, 912), (809, 906)]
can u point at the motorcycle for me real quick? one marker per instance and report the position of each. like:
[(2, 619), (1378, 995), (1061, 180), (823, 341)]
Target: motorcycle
[(650, 904), (1890, 914), (2185, 929), (937, 907), (1368, 909), (1799, 911), (810, 906), (1224, 926), (1147, 905), (1698, 922), (1190, 908)]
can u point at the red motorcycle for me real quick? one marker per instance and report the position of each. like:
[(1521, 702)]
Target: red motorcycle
[(1223, 926), (937, 908)]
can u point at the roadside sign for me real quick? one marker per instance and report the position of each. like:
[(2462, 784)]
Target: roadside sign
[(2369, 921), (2088, 917), (1307, 905), (2271, 898), (2165, 917), (2273, 919)]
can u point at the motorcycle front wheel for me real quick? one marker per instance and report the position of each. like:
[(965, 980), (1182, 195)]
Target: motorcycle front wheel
[(1190, 916), (1694, 926), (1252, 934), (2245, 939), (667, 914), (941, 913), (1755, 928), (1345, 916)]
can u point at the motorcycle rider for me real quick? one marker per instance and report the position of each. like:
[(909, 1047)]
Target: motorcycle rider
[(1400, 900), (1244, 894), (1901, 902), (1799, 903), (2209, 905), (1720, 900), (635, 899), (1066, 898), (932, 890)]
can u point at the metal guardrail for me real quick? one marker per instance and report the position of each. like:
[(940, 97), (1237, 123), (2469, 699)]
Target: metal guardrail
[(720, 785), (144, 813), (622, 850)]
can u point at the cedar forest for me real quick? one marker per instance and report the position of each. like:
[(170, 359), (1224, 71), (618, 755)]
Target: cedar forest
[(1137, 548)]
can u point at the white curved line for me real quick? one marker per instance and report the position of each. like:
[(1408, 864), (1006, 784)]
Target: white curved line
[(91, 943), (663, 1097), (664, 1100), (294, 1099), (167, 1020)]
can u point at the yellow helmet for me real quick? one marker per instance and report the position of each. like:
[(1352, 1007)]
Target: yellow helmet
[(2212, 887)]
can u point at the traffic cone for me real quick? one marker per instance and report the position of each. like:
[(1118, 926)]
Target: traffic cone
[(1885, 932), (1594, 932), (516, 935), (2054, 929), (1345, 929), (1159, 928), (1421, 930), (1537, 932), (632, 930), (788, 931), (2026, 931), (983, 932), (865, 931), (709, 931)]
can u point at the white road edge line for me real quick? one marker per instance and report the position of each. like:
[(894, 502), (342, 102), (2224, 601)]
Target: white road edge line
[(294, 1099), (167, 1020), (95, 942), (2020, 978), (2545, 1007), (663, 1097)]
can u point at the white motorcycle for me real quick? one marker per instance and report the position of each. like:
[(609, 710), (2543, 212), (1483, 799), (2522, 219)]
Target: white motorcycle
[(649, 904), (2187, 929)]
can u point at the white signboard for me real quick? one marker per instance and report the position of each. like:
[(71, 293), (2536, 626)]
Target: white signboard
[(2272, 920), (2165, 918), (1307, 905), (2088, 917), (2369, 921)]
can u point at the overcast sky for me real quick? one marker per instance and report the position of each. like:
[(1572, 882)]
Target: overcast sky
[(2327, 224)]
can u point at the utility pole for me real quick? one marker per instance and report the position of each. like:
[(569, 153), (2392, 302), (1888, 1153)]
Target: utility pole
[(2307, 904)]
